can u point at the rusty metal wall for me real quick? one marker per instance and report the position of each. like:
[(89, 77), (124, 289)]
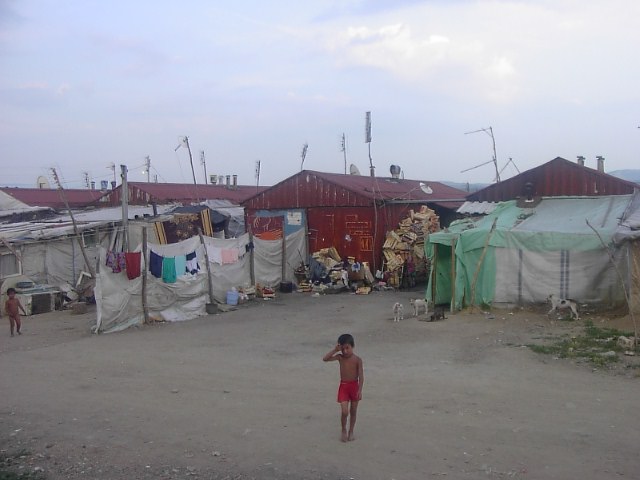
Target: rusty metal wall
[(354, 231), (304, 191), (556, 178)]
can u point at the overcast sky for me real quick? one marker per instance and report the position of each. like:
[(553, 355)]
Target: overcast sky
[(85, 84)]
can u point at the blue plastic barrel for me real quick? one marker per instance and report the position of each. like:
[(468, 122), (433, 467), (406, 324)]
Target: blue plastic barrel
[(232, 297)]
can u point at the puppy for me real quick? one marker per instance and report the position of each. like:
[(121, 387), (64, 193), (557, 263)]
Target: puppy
[(438, 314), (558, 304), (418, 305), (398, 312)]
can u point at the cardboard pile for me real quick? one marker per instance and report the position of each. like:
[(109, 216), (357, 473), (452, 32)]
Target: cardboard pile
[(408, 240)]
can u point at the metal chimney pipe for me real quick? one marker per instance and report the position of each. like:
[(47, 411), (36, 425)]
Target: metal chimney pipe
[(600, 160), (581, 160), (235, 181), (228, 178)]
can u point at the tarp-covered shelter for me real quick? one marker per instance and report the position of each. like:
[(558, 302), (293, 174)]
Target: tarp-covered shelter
[(536, 250), (185, 295)]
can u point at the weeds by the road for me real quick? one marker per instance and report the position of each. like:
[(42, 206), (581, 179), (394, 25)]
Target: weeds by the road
[(596, 345), (8, 463)]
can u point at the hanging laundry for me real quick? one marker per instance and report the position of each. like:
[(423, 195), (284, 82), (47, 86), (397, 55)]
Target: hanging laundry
[(229, 255), (192, 263), (169, 270), (111, 259), (155, 264), (116, 261), (214, 253), (181, 265), (132, 261)]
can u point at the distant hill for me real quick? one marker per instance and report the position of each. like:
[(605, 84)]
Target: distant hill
[(632, 175), (466, 187)]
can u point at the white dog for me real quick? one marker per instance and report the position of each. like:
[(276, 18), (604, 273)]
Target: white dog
[(418, 305), (558, 304), (398, 312)]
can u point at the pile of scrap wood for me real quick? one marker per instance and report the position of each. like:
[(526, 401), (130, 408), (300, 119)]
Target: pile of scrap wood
[(408, 239)]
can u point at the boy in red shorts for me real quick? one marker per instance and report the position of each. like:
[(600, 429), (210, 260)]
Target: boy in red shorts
[(12, 308), (351, 382)]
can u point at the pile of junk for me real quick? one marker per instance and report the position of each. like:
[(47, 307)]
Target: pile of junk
[(327, 272)]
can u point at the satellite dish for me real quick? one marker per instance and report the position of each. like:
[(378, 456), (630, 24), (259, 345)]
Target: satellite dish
[(426, 188), (353, 170), (43, 182)]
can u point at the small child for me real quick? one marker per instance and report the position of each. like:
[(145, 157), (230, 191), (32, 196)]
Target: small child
[(12, 308), (351, 382)]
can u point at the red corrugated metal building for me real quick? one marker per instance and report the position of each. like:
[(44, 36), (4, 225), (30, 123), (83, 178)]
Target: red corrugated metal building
[(351, 212), (558, 177), (52, 198), (141, 193)]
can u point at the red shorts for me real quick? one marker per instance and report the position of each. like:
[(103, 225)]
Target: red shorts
[(349, 391)]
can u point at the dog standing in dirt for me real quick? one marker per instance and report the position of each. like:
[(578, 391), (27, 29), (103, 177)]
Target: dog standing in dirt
[(418, 305), (558, 304), (398, 312)]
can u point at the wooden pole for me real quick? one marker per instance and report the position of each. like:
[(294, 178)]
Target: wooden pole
[(453, 275), (284, 250), (252, 271), (482, 255), (434, 277), (75, 225), (624, 289), (145, 307), (206, 259)]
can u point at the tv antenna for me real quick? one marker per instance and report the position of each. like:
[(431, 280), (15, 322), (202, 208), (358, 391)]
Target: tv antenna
[(257, 173), (343, 149), (112, 167), (147, 168), (488, 131), (512, 163), (303, 154), (203, 162), (367, 139)]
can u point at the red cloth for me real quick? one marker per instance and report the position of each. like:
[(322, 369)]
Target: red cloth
[(132, 262), (349, 391)]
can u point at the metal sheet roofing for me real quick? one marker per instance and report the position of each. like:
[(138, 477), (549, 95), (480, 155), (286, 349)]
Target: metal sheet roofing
[(311, 188), (44, 197), (558, 177)]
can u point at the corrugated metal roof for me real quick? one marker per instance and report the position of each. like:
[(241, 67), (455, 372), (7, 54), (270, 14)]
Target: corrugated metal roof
[(44, 197), (310, 188), (144, 193), (477, 208), (558, 177), (62, 225)]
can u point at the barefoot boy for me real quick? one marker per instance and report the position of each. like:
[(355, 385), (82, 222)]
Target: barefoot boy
[(12, 308), (351, 382)]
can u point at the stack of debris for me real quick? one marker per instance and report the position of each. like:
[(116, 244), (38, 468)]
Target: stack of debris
[(406, 243)]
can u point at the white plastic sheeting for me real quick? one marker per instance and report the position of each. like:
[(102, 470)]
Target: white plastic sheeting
[(119, 300)]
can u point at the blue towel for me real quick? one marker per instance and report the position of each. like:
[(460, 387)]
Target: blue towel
[(155, 264)]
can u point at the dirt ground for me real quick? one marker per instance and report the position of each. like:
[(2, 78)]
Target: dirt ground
[(245, 395)]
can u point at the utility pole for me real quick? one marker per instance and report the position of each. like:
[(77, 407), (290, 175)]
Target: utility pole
[(75, 225), (367, 136), (147, 167), (204, 165), (124, 197), (303, 155), (343, 149)]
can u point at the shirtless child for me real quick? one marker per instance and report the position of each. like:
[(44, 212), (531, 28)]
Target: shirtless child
[(12, 308), (351, 382)]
